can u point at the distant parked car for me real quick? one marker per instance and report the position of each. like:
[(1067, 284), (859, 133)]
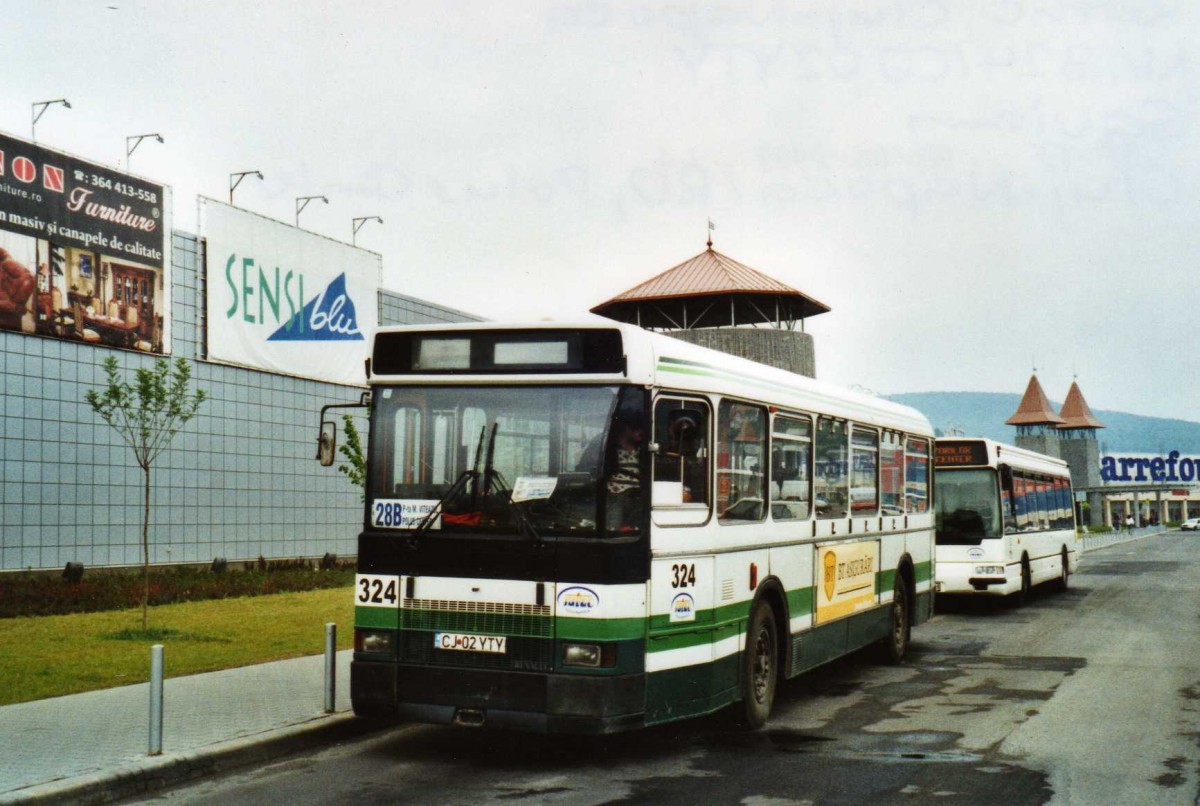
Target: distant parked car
[(1190, 525)]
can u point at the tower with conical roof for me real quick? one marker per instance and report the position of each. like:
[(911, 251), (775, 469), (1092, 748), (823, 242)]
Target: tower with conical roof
[(1080, 449), (717, 302), (1036, 421)]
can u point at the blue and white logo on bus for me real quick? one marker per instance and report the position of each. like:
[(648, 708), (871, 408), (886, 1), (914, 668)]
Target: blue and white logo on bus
[(975, 554), (578, 601), (683, 607)]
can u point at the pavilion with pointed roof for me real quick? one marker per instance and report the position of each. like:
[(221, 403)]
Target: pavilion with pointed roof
[(711, 290), (718, 302)]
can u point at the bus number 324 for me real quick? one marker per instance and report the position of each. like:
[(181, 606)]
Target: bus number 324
[(683, 575), (374, 590)]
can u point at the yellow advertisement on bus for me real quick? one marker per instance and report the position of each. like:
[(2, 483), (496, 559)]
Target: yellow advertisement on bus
[(845, 578)]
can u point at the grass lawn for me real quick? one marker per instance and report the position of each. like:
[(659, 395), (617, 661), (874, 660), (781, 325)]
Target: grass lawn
[(48, 656)]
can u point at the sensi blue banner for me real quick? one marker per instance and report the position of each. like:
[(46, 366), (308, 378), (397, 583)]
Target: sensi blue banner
[(287, 300)]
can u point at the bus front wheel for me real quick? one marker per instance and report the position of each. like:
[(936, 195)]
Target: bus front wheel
[(760, 671), (1022, 596), (1064, 579)]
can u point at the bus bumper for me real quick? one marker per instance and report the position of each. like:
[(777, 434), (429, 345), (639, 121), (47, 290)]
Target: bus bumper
[(529, 701), (956, 578)]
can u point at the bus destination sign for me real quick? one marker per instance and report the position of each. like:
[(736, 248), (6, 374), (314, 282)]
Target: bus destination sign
[(953, 453)]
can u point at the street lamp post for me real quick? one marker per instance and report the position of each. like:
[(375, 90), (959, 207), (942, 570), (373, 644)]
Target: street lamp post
[(358, 224), (133, 141), (236, 178), (39, 109), (302, 202)]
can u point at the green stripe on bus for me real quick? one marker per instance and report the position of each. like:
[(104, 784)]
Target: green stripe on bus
[(617, 629), (800, 602), (696, 636), (924, 571), (885, 581), (380, 617), (681, 367)]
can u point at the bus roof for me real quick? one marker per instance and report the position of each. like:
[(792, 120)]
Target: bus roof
[(954, 452), (659, 360)]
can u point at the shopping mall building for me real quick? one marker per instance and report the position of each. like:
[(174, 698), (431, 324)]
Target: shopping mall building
[(1153, 488), (272, 319)]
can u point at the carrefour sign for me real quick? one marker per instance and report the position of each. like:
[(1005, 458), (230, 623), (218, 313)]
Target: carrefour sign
[(286, 300), (1149, 468)]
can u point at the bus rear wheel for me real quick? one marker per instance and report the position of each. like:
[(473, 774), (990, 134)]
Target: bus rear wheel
[(895, 644), (760, 672)]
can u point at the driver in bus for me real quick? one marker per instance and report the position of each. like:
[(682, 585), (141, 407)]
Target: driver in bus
[(624, 482)]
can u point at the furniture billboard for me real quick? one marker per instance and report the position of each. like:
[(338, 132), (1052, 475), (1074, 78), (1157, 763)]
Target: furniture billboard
[(84, 250)]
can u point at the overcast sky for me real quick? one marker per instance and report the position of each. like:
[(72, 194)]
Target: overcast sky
[(975, 189)]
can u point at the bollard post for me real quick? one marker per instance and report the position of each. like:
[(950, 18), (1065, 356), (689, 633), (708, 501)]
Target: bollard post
[(156, 699), (330, 667)]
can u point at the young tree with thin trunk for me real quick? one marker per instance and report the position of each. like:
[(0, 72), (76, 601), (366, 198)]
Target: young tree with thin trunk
[(352, 449), (147, 414)]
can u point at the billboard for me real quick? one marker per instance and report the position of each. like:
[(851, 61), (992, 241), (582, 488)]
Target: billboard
[(84, 250), (286, 300)]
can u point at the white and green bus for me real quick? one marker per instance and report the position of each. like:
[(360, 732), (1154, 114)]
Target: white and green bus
[(594, 528), (1005, 519)]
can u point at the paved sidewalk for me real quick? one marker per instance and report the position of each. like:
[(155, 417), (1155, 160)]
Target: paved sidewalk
[(1092, 542), (92, 747)]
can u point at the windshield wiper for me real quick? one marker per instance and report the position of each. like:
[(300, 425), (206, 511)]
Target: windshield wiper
[(492, 478), (470, 474)]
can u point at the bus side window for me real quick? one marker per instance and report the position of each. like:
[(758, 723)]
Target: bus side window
[(1008, 501), (864, 476), (1025, 501), (791, 468), (891, 474), (832, 472), (741, 461), (681, 462), (916, 466)]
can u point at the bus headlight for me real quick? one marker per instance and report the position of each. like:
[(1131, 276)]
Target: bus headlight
[(593, 655), (581, 654), (376, 642), (990, 570)]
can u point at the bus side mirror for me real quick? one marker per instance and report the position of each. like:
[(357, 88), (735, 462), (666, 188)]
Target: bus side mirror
[(327, 444), (683, 433)]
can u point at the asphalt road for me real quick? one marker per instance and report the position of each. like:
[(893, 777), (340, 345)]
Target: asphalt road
[(1086, 697)]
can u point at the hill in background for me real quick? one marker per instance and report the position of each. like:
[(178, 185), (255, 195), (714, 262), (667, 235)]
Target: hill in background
[(982, 414)]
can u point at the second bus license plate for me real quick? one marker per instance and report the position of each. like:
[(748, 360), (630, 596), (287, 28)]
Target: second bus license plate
[(462, 642)]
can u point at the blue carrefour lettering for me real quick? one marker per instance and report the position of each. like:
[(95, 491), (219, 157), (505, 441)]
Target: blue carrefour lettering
[(1158, 467), (1108, 468)]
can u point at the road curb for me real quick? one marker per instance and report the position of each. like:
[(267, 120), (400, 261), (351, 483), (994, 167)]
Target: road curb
[(152, 773)]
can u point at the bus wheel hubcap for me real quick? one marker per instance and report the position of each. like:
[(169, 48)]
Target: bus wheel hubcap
[(762, 665)]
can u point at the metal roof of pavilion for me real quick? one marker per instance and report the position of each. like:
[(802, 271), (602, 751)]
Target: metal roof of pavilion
[(1035, 408), (709, 290), (1075, 411)]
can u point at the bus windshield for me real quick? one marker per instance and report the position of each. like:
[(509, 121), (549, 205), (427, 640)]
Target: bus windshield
[(508, 460), (968, 506)]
